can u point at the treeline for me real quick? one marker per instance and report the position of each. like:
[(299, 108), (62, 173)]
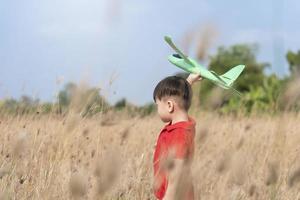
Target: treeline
[(80, 99), (261, 92)]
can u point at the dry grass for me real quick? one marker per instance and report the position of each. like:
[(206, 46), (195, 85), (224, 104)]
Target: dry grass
[(47, 157)]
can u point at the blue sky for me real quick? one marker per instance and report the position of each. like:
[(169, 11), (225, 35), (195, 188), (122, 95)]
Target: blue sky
[(122, 40)]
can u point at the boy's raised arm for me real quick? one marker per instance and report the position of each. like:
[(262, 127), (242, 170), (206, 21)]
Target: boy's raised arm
[(192, 78)]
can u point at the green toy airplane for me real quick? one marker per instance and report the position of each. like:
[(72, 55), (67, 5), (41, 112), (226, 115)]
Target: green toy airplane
[(189, 65)]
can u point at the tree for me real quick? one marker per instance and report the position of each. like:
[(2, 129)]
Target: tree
[(27, 104), (226, 58), (121, 104), (10, 106), (294, 62), (81, 99), (65, 95), (240, 54), (258, 99), (92, 102)]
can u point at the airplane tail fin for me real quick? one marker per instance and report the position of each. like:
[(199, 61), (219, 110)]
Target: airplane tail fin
[(230, 76)]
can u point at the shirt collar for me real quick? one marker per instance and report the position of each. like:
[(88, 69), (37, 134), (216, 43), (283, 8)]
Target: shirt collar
[(182, 124)]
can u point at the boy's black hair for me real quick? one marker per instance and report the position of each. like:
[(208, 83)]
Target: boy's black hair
[(174, 86)]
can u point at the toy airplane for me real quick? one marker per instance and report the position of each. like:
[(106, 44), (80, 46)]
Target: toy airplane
[(189, 65)]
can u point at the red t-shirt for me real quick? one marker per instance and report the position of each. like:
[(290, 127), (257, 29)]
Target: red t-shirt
[(178, 138)]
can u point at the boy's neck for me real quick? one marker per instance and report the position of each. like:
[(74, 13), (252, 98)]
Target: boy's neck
[(179, 117)]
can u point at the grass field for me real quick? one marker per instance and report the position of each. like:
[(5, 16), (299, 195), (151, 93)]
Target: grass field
[(110, 157)]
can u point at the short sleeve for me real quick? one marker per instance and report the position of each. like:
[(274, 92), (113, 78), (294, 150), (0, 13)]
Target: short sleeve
[(180, 143)]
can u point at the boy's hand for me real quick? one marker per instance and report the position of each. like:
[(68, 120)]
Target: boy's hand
[(192, 78)]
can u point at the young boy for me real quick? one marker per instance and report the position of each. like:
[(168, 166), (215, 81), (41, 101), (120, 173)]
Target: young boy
[(175, 144)]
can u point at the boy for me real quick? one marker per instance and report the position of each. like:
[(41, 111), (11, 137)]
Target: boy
[(175, 144)]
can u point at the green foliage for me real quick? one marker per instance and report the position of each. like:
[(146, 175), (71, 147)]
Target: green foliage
[(46, 108), (9, 106), (65, 96), (258, 99), (226, 58), (294, 62), (26, 105), (94, 103), (132, 110), (291, 97), (147, 109), (86, 101), (121, 104)]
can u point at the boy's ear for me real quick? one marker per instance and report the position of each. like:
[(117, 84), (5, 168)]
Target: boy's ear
[(170, 106)]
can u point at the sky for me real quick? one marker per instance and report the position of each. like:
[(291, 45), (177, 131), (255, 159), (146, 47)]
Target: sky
[(118, 46)]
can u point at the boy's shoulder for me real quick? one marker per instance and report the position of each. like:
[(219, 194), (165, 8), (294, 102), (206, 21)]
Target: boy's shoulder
[(184, 130), (181, 126)]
